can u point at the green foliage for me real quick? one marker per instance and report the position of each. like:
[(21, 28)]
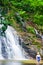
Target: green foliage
[(32, 7), (28, 9), (4, 28), (38, 19), (4, 2), (30, 29)]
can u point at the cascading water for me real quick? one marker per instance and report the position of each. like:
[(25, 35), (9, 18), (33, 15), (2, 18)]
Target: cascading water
[(9, 45), (39, 35)]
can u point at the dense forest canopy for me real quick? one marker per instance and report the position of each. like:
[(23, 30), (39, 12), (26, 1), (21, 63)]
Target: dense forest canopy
[(29, 10)]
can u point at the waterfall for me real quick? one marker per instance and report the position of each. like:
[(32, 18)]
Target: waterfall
[(36, 31), (38, 34), (9, 45)]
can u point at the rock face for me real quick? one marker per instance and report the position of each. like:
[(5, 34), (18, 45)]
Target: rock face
[(21, 21), (29, 51), (41, 51)]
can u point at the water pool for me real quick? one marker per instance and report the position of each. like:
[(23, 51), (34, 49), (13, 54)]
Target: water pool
[(15, 63)]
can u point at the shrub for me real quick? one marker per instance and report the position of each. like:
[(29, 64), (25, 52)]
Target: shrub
[(30, 29)]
